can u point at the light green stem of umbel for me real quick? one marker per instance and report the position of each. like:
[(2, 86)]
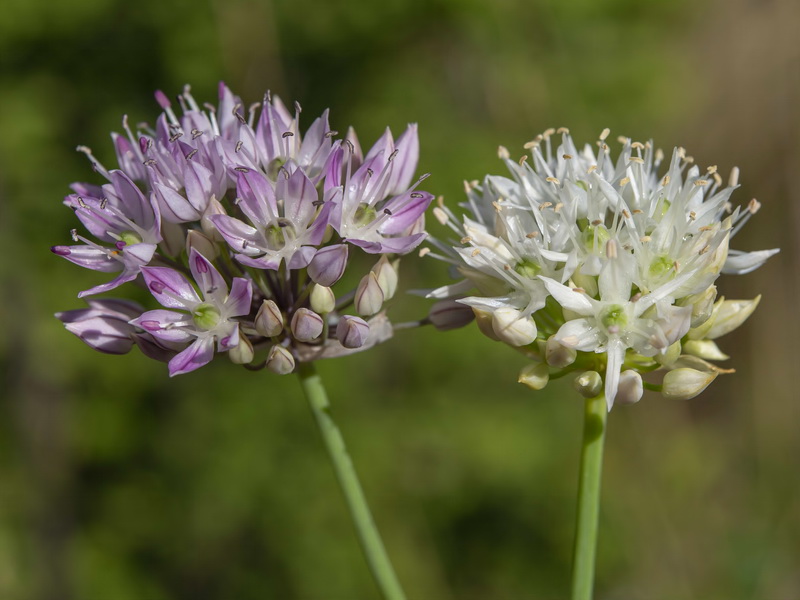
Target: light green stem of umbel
[(368, 534), (594, 430)]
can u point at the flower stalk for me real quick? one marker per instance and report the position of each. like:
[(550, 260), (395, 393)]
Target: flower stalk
[(368, 535), (591, 468)]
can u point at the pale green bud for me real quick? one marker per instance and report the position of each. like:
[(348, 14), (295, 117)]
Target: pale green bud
[(369, 296), (386, 273), (731, 314), (589, 384), (202, 243), (670, 356), (535, 376), (243, 353), (484, 320), (558, 356), (511, 327), (685, 383), (269, 320), (280, 360), (322, 299), (706, 349), (630, 388)]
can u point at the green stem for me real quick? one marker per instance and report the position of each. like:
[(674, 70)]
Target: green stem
[(368, 534), (594, 429)]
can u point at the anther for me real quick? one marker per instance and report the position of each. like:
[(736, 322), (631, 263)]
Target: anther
[(544, 205), (626, 214), (701, 182), (637, 145), (753, 206), (624, 181), (566, 156), (692, 215), (532, 235), (103, 203), (386, 211), (241, 169), (548, 132), (497, 206), (330, 134), (191, 154), (196, 133), (476, 252), (73, 234), (597, 222), (636, 211), (176, 136), (611, 249), (440, 215), (562, 130), (466, 239), (239, 145), (604, 134), (370, 172), (417, 195), (733, 179), (149, 162), (636, 159), (424, 251), (665, 181), (286, 134), (645, 238), (552, 180), (392, 155), (502, 153), (522, 159)]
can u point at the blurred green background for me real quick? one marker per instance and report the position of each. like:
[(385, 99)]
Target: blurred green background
[(118, 483)]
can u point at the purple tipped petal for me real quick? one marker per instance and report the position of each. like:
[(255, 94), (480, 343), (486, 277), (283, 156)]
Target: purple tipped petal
[(170, 287), (164, 325), (399, 245), (105, 331), (262, 262), (209, 280), (195, 356), (328, 264), (127, 157), (199, 185), (384, 145), (238, 302), (88, 257), (298, 194), (134, 204), (405, 161), (240, 236), (257, 197), (301, 257), (124, 277), (405, 210)]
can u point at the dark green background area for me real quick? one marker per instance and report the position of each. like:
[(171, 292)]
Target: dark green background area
[(118, 483)]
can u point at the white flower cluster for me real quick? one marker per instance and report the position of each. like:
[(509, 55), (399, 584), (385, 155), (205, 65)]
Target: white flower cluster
[(589, 264)]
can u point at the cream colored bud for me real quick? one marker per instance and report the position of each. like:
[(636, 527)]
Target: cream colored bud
[(685, 383), (322, 299), (386, 273), (589, 384), (535, 376), (705, 349), (670, 356), (702, 305), (280, 360), (202, 243), (730, 315), (369, 296), (511, 327), (269, 320), (557, 355), (484, 320), (630, 388), (214, 208), (243, 353)]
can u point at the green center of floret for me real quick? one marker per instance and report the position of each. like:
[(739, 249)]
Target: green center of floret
[(274, 167), (277, 232), (364, 215), (528, 268), (595, 237), (613, 318), (130, 238), (660, 266), (206, 316)]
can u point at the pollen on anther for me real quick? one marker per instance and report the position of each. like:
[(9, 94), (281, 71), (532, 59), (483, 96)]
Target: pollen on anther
[(753, 206), (476, 252), (733, 179), (665, 181), (73, 234), (579, 290), (562, 130), (624, 181), (591, 169), (558, 207), (692, 215), (544, 205), (701, 182), (636, 211), (626, 214), (522, 159), (552, 180), (502, 153), (637, 145), (704, 249), (566, 156), (497, 206), (636, 159), (532, 235), (604, 134), (286, 134), (466, 239), (440, 215), (597, 222), (548, 132), (645, 238), (191, 154), (424, 251)]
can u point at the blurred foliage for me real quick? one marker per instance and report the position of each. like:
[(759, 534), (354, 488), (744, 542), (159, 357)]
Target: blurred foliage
[(119, 483)]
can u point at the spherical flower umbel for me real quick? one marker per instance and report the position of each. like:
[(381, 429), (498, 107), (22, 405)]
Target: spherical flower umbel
[(240, 226), (610, 260)]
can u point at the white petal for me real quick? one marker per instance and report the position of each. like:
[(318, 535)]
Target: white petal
[(579, 334), (616, 353), (740, 263), (577, 302)]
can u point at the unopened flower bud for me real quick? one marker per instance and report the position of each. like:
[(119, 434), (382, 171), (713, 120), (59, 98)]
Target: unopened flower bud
[(685, 383), (173, 238), (214, 208), (449, 314), (352, 332), (730, 315), (327, 266), (387, 277), (306, 325), (558, 356), (630, 388), (484, 320), (369, 295), (280, 360), (670, 355), (512, 327), (322, 299), (242, 353), (535, 376), (702, 305), (269, 320), (202, 243), (589, 384), (705, 349)]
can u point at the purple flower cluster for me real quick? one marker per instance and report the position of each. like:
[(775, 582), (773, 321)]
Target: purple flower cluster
[(239, 226)]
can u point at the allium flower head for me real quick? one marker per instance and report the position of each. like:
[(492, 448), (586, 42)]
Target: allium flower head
[(608, 258), (240, 224)]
